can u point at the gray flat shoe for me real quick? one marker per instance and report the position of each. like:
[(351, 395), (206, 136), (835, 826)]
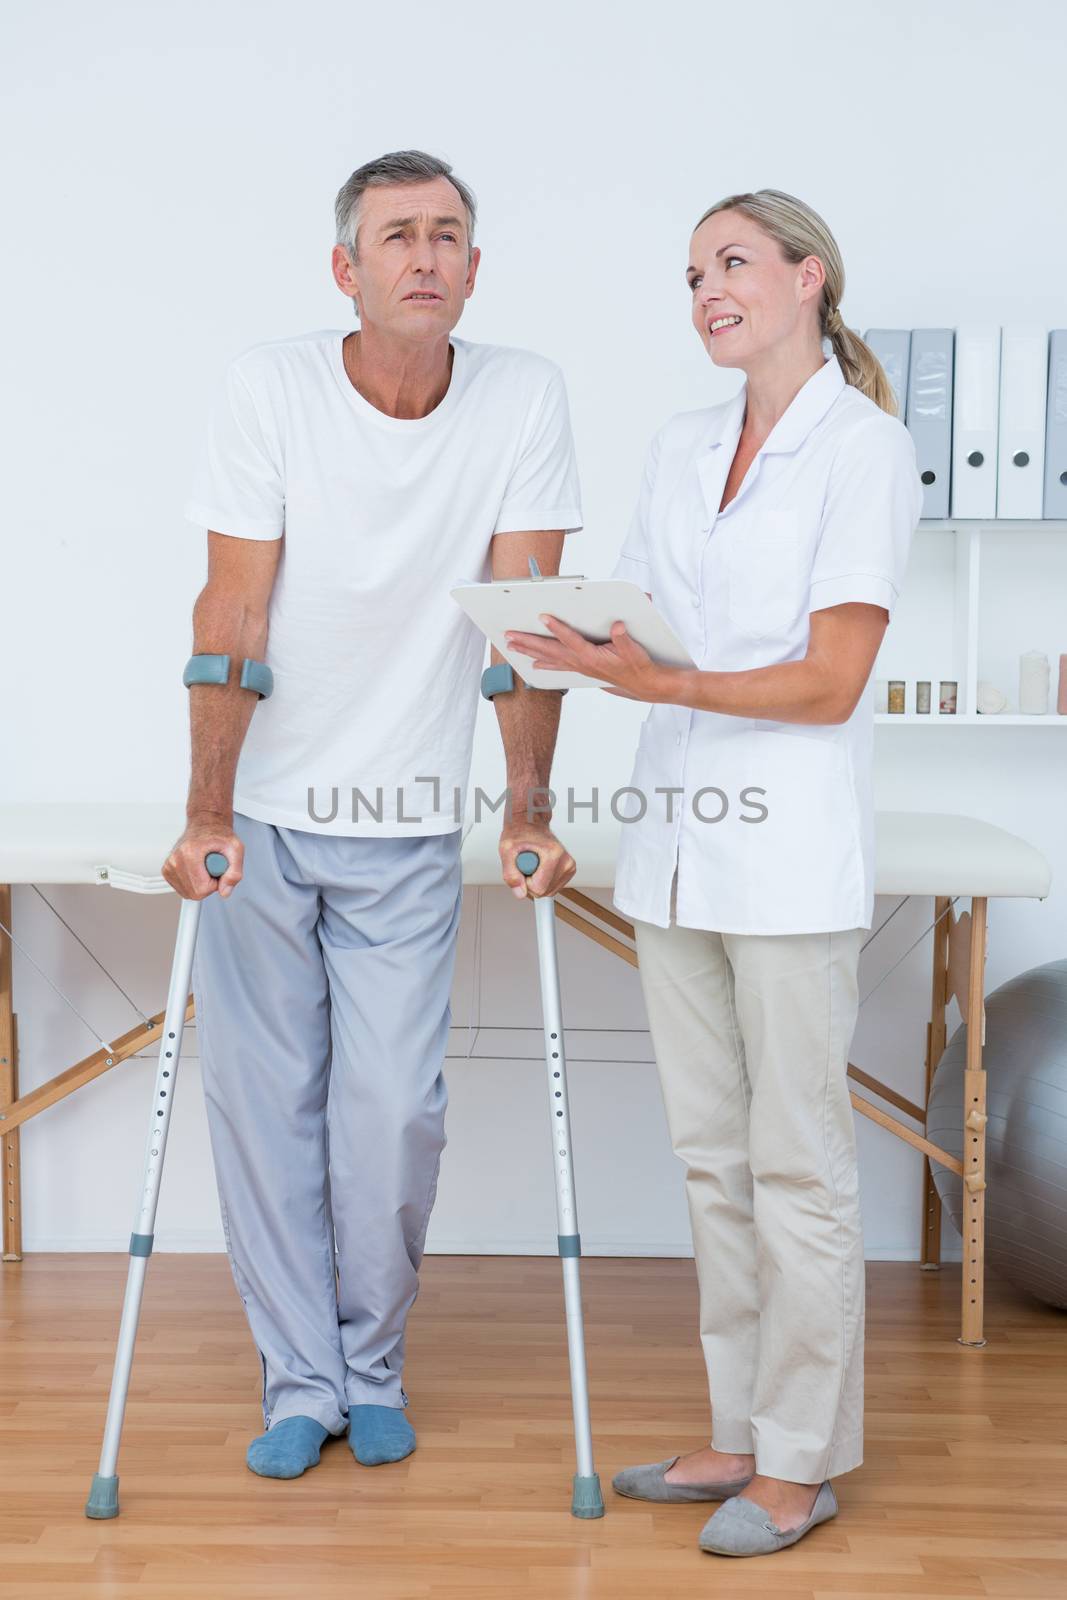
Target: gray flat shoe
[(650, 1483), (743, 1528)]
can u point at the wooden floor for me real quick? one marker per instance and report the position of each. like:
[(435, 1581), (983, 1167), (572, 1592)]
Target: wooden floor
[(963, 1490)]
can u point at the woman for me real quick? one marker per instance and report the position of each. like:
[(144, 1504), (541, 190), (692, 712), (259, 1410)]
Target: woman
[(773, 533)]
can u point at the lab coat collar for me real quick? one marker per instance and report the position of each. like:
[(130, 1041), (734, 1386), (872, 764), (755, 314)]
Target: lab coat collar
[(807, 407)]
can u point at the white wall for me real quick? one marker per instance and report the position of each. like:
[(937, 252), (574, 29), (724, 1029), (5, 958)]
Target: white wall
[(169, 202)]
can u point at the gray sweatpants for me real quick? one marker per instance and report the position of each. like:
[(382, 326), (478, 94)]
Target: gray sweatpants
[(322, 989)]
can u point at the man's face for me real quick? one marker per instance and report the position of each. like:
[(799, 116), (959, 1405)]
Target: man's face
[(413, 271)]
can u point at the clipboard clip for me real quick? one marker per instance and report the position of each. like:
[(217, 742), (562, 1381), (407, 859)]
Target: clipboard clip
[(537, 576)]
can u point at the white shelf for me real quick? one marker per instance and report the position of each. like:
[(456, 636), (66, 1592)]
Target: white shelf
[(973, 601), (1005, 525), (937, 719)]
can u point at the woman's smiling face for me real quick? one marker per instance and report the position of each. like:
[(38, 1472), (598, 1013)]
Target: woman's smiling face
[(746, 295)]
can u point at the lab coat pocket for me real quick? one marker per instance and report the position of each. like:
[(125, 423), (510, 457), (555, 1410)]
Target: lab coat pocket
[(807, 852), (766, 587)]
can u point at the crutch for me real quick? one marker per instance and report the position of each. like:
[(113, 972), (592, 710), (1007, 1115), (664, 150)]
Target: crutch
[(103, 1498), (587, 1500)]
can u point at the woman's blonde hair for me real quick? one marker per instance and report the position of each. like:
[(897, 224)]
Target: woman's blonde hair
[(801, 232)]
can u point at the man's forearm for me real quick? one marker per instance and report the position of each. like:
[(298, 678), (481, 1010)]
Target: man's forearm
[(219, 714), (529, 722)]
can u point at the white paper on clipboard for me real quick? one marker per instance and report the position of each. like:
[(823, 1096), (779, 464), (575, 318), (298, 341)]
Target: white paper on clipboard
[(589, 605)]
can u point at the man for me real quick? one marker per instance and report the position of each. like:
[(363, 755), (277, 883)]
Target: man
[(348, 482)]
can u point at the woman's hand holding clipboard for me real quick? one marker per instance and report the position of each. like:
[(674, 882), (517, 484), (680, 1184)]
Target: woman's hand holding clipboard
[(574, 632)]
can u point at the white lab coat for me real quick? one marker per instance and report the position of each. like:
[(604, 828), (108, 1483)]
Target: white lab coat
[(825, 515)]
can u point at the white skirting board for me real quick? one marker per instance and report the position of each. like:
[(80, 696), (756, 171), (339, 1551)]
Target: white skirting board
[(211, 1243)]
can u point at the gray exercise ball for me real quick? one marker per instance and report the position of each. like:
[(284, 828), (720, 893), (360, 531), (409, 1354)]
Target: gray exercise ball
[(1025, 1059)]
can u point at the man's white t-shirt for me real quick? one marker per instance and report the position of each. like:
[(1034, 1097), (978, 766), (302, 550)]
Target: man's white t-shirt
[(376, 668)]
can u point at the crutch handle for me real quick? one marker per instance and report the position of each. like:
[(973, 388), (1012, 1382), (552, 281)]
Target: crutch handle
[(527, 862), (216, 863)]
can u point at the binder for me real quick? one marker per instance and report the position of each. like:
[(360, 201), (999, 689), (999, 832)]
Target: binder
[(975, 413), (1055, 499), (1023, 388), (892, 346), (929, 416)]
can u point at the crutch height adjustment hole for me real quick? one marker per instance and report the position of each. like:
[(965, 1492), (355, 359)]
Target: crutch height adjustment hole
[(559, 1113)]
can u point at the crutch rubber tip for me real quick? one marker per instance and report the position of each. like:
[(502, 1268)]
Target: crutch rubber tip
[(103, 1498), (588, 1501)]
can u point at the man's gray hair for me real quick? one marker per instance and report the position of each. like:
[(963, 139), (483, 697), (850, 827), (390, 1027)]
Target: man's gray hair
[(400, 166)]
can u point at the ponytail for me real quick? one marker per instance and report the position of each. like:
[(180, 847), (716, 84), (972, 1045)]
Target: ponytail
[(859, 364)]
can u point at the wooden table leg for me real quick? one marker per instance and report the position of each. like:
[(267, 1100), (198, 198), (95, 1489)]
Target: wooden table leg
[(11, 1182), (930, 1241), (974, 1124)]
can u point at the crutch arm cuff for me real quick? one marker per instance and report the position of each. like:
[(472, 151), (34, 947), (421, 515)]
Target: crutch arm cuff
[(207, 668), (497, 679), (500, 679), (258, 676)]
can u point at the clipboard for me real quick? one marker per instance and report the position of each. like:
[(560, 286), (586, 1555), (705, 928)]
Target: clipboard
[(590, 605)]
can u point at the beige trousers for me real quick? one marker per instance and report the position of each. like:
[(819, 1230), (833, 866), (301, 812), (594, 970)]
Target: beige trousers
[(751, 1035)]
